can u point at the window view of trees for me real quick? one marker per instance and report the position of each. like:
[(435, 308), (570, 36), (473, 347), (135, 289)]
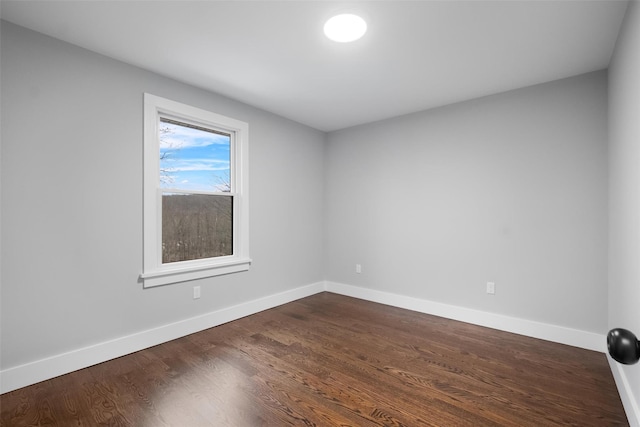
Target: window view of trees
[(196, 226), (195, 160)]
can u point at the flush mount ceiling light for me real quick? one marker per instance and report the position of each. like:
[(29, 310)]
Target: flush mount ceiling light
[(345, 28)]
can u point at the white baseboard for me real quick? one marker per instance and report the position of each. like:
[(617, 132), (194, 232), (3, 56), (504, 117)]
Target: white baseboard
[(629, 401), (545, 331), (40, 370), (44, 369)]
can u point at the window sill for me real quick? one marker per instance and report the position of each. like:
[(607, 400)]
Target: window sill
[(184, 273)]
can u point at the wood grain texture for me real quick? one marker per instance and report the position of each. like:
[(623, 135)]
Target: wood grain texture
[(330, 360)]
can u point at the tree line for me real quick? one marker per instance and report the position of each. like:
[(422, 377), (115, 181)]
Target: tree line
[(196, 226)]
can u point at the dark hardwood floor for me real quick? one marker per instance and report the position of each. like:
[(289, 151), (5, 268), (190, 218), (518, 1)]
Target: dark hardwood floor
[(330, 360)]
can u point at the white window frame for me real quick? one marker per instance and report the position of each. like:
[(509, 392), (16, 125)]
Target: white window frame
[(155, 273)]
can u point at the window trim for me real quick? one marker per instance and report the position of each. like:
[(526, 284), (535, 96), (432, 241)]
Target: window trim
[(154, 272)]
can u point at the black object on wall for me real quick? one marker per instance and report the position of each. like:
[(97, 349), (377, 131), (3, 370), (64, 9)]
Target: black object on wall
[(623, 346)]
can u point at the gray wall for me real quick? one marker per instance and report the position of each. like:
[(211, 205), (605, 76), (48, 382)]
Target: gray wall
[(72, 201), (510, 188), (624, 188)]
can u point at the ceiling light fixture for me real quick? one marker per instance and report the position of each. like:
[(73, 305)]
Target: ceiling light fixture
[(345, 28)]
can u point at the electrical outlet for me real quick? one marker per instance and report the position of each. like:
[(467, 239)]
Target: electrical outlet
[(491, 288), (196, 292), (358, 268)]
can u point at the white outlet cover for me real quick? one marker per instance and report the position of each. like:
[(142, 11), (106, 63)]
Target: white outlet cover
[(491, 288)]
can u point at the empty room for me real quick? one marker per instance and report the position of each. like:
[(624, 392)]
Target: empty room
[(366, 213)]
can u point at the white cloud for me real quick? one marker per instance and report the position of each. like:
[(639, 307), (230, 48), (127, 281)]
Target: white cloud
[(179, 137), (181, 165)]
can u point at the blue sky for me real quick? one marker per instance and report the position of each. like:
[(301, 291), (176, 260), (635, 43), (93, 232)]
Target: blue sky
[(193, 159)]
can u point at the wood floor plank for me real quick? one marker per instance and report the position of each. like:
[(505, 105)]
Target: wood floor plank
[(330, 360)]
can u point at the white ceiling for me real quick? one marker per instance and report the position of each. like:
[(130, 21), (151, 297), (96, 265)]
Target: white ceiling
[(273, 54)]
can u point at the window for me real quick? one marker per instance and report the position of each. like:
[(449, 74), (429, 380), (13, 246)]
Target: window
[(195, 193)]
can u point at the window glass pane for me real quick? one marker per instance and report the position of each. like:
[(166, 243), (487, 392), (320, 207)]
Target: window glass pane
[(194, 158), (196, 226)]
